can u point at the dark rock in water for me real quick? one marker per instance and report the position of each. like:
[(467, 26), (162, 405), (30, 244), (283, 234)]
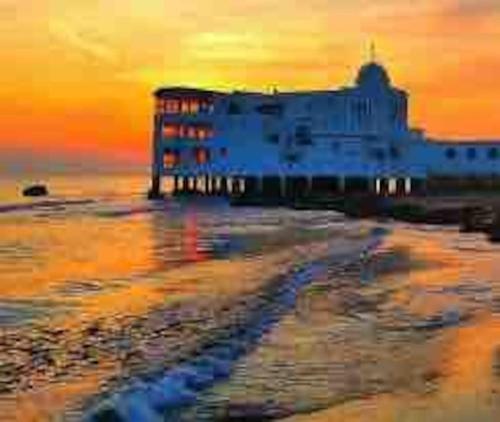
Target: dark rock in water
[(36, 190)]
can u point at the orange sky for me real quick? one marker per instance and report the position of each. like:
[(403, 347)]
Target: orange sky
[(77, 74)]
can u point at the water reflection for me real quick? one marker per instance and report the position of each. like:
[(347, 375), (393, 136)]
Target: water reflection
[(177, 237)]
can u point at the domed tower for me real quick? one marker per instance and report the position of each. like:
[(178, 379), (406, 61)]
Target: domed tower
[(387, 105), (373, 76)]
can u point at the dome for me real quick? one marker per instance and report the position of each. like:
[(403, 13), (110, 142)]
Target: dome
[(373, 75)]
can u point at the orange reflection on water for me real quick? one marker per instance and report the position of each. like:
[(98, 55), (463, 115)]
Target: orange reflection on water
[(473, 357), (457, 261), (69, 251), (191, 241), (447, 270)]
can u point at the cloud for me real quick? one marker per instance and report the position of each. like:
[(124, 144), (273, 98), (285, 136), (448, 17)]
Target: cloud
[(475, 7), (86, 43)]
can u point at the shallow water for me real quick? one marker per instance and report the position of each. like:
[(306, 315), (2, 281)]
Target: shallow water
[(111, 305)]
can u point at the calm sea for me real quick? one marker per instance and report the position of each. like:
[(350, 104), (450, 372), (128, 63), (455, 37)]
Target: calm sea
[(112, 306)]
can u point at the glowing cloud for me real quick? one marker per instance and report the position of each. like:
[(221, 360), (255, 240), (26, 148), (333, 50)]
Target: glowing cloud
[(79, 73)]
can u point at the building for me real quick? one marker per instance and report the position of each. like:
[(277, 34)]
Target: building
[(353, 139)]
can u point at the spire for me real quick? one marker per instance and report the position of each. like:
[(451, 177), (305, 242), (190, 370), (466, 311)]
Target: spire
[(373, 53)]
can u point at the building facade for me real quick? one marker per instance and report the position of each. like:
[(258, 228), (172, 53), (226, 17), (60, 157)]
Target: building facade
[(353, 139)]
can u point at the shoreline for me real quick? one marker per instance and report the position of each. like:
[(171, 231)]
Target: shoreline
[(470, 213)]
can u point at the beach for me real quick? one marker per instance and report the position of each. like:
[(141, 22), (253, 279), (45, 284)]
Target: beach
[(189, 309)]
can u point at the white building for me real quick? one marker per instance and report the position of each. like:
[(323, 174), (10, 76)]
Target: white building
[(294, 143)]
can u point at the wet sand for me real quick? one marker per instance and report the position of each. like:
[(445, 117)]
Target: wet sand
[(409, 333)]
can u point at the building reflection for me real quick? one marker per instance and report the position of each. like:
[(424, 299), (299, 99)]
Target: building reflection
[(177, 237)]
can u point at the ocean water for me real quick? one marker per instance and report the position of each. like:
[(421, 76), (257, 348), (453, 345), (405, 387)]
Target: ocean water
[(116, 308)]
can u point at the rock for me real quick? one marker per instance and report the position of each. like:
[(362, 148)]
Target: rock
[(476, 219), (494, 231), (36, 190)]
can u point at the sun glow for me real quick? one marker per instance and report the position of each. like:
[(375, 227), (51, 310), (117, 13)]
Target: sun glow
[(79, 74)]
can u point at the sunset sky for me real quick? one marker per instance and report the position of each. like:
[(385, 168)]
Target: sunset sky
[(77, 75)]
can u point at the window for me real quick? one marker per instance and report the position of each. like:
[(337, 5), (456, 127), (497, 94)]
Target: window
[(471, 153), (202, 134), (223, 152), (182, 131), (379, 154), (303, 135), (493, 153), (292, 157), (191, 132), (270, 109), (171, 158), (201, 155), (274, 138), (451, 153), (185, 107), (233, 108), (171, 106), (194, 107), (170, 131), (160, 106), (206, 107), (394, 153)]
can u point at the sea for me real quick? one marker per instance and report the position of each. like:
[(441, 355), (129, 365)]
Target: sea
[(116, 308)]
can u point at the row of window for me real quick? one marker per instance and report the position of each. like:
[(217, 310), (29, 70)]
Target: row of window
[(197, 132), (172, 157), (471, 153), (188, 106), (381, 154), (268, 109), (302, 136)]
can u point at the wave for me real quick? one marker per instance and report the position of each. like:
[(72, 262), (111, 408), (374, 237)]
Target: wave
[(126, 212), (43, 205), (161, 397)]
